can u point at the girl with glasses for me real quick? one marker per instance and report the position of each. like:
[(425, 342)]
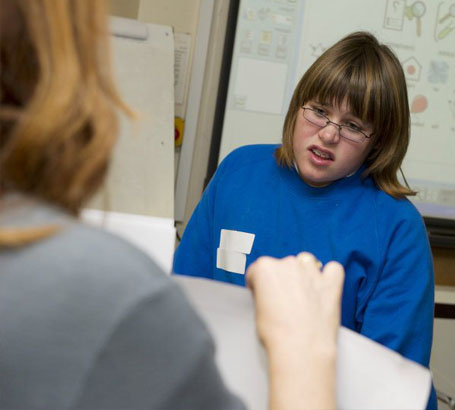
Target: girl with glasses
[(331, 188)]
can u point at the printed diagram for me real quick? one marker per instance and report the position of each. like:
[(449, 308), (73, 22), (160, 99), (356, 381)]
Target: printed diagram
[(267, 32), (249, 14), (419, 104), (282, 47), (445, 20), (246, 43), (412, 69), (416, 11), (396, 10), (265, 42), (438, 72), (263, 13), (394, 14)]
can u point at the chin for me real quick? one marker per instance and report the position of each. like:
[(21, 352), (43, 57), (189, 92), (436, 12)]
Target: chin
[(317, 183)]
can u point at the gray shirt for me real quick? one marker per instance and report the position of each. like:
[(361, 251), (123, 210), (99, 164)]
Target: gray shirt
[(89, 321)]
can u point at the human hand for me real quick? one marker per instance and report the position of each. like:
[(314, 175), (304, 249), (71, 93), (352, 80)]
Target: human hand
[(297, 318), (295, 302)]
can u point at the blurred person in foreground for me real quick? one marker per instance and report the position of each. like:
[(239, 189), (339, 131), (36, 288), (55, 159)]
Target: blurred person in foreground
[(87, 320)]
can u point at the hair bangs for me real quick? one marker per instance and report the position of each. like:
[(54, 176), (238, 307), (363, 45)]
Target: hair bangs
[(350, 82)]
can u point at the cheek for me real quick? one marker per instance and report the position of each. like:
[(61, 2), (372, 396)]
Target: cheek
[(300, 137), (366, 152), (358, 156)]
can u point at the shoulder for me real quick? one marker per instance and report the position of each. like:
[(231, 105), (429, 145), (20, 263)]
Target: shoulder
[(78, 259), (103, 257), (385, 206), (399, 208), (399, 220), (91, 277)]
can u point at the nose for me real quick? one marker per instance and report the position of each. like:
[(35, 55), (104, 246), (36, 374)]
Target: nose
[(330, 133)]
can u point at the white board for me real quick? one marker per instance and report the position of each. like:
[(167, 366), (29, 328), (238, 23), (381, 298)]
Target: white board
[(141, 177), (291, 34)]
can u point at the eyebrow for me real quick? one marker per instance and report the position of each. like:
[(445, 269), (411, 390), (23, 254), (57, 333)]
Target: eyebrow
[(347, 115)]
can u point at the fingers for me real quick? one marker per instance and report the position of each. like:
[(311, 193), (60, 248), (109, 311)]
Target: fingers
[(308, 261), (260, 266), (333, 273), (306, 257)]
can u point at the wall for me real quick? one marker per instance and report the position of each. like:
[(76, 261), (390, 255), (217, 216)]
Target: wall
[(443, 356), (182, 15), (124, 8), (444, 267), (207, 110)]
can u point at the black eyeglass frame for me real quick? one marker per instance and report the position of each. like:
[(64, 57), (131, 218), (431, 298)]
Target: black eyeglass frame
[(334, 123)]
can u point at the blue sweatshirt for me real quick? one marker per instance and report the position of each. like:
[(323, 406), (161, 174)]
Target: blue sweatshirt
[(382, 243)]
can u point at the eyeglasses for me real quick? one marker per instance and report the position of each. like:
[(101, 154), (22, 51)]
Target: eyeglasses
[(351, 132)]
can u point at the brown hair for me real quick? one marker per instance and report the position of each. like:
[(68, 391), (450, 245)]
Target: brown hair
[(369, 76), (58, 106)]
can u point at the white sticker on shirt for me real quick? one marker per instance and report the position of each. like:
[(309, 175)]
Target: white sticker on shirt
[(236, 241), (230, 261)]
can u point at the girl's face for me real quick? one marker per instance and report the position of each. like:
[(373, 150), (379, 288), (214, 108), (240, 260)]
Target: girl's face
[(321, 154)]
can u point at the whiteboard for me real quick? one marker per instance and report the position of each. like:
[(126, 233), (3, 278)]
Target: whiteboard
[(276, 41), (141, 176)]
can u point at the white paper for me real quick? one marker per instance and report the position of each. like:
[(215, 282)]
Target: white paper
[(155, 236), (236, 241), (369, 376), (128, 28), (260, 85), (182, 47), (230, 261)]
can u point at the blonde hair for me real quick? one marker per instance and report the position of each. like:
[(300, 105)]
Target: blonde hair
[(369, 76), (58, 107)]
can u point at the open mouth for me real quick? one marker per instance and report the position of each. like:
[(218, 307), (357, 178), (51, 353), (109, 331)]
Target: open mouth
[(322, 154)]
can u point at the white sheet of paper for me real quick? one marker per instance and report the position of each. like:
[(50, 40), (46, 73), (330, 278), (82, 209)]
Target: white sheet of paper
[(369, 376), (236, 241), (260, 85), (182, 47), (153, 235), (231, 261)]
